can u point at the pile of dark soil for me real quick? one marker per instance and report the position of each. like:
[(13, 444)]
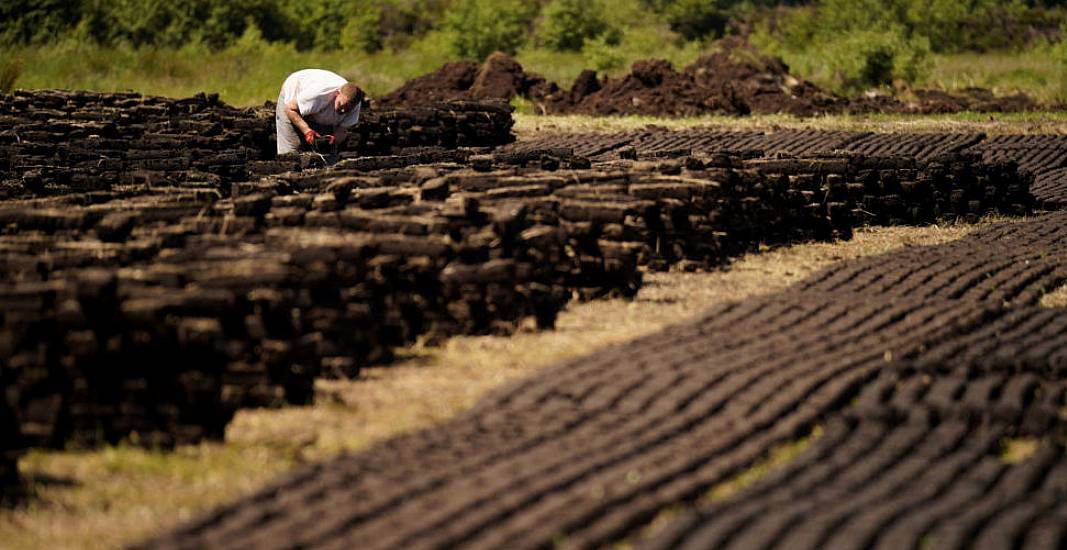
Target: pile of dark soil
[(500, 77), (939, 102), (737, 79), (652, 88)]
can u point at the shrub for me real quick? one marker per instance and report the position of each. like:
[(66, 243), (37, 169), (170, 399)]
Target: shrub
[(479, 27), (226, 22), (603, 55), (696, 19), (176, 23), (568, 24), (949, 25), (35, 21), (864, 59), (10, 71), (700, 19), (363, 31), (1059, 49)]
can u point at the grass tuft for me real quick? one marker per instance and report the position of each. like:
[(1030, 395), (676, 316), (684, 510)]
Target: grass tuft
[(1056, 298), (778, 458), (9, 74), (1018, 449)]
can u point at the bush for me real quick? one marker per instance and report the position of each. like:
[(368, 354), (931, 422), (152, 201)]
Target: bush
[(36, 21), (404, 21), (865, 59), (1058, 50), (10, 71), (949, 25), (363, 31), (176, 23), (701, 19), (603, 55), (479, 27), (226, 22), (568, 24), (696, 19)]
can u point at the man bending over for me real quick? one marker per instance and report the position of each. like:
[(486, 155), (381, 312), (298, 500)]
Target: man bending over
[(315, 104)]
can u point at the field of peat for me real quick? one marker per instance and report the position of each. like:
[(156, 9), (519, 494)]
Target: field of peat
[(161, 271)]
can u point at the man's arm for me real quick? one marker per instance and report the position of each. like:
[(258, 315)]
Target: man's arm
[(293, 113), (340, 134)]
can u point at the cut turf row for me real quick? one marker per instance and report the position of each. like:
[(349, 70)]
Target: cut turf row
[(588, 452), (249, 297), (155, 300), (1041, 155), (57, 142)]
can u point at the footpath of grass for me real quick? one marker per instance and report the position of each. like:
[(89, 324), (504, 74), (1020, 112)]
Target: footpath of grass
[(529, 125)]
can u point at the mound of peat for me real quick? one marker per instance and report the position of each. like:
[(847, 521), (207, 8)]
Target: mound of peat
[(499, 77), (735, 79)]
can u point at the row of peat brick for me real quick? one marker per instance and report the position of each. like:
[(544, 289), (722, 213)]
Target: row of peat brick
[(154, 307), (698, 211), (1043, 155), (162, 311), (55, 142)]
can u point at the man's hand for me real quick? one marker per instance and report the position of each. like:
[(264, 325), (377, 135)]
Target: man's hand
[(330, 139), (310, 135)]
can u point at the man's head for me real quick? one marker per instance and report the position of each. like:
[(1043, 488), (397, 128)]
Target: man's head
[(348, 97)]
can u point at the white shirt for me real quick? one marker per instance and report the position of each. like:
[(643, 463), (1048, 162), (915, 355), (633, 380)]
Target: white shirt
[(315, 91)]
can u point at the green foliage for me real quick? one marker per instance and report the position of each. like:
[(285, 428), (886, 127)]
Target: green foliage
[(702, 19), (479, 27), (603, 56), (175, 23), (695, 19), (854, 44), (1058, 51), (949, 25), (172, 23), (863, 59), (568, 24), (10, 69), (363, 31), (36, 21), (844, 44)]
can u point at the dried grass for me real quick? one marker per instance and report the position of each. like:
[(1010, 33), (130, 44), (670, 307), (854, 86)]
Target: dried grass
[(10, 71), (529, 126)]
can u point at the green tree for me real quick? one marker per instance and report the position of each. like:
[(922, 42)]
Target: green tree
[(30, 21), (696, 19), (477, 28), (568, 24), (867, 58), (603, 55), (362, 32)]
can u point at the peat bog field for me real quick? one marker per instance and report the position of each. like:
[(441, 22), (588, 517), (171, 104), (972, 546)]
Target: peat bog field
[(161, 269)]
